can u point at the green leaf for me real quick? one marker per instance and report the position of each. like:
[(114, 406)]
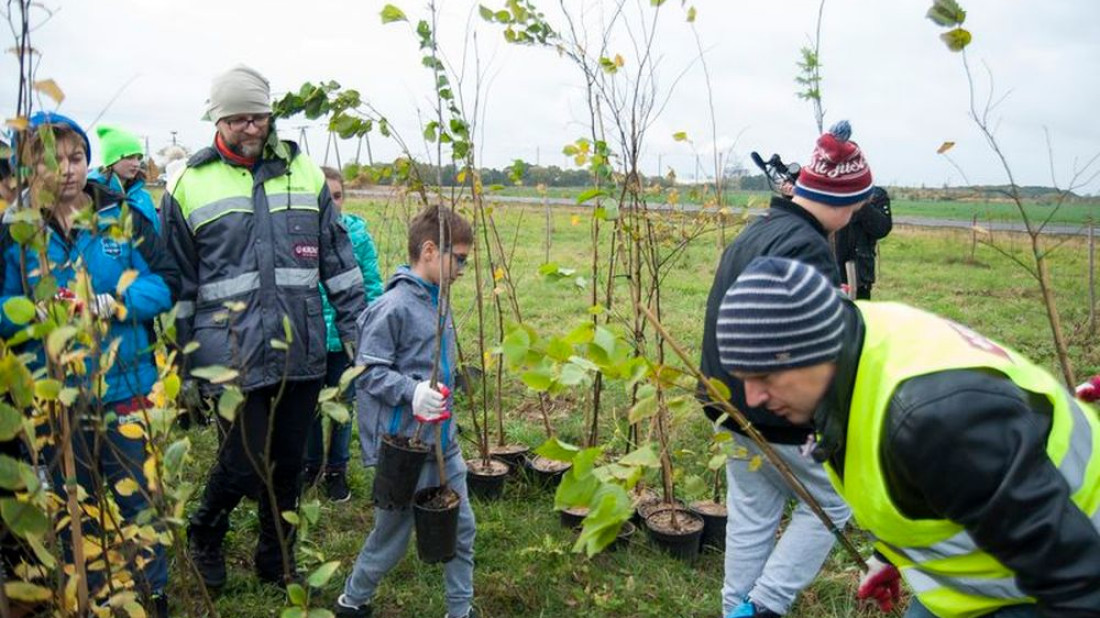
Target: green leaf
[(575, 490), (646, 406), (516, 345), (320, 576), (297, 594), (320, 612), (694, 485), (717, 462), (27, 592), (56, 341), (538, 379), (19, 309), (391, 13), (957, 39), (11, 422), (336, 411), (174, 455), (47, 389), (609, 508), (22, 518), (680, 136), (11, 469), (645, 456), (293, 612), (559, 350), (292, 518), (581, 335), (584, 461), (216, 374), (572, 374), (720, 387), (691, 15), (590, 194), (230, 402), (946, 13), (279, 344), (557, 450), (485, 12)]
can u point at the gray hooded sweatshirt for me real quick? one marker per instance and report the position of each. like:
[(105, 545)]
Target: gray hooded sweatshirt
[(397, 346)]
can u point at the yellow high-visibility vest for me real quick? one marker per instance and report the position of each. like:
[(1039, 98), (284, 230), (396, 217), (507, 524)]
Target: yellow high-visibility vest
[(943, 565)]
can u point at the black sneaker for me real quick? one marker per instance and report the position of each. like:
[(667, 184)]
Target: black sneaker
[(210, 563), (160, 606), (336, 486), (344, 609)]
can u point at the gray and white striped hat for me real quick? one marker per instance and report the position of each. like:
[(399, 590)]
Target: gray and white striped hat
[(779, 314)]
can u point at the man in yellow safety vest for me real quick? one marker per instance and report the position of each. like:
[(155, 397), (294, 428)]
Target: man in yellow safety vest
[(977, 472)]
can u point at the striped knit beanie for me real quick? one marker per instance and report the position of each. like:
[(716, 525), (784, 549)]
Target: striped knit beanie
[(779, 314), (837, 175)]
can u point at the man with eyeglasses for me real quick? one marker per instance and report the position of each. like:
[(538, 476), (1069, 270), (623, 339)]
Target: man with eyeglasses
[(252, 227)]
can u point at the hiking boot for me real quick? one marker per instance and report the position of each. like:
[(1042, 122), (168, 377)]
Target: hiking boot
[(210, 563), (336, 486), (344, 609)]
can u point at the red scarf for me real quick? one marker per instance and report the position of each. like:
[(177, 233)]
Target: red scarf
[(223, 148)]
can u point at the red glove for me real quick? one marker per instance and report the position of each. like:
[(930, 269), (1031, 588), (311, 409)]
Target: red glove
[(881, 584), (1089, 391), (67, 295)]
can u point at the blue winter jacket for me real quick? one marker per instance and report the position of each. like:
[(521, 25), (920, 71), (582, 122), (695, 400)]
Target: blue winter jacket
[(105, 258)]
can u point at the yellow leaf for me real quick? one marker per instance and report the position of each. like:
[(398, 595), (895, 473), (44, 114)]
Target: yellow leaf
[(944, 147), (498, 274), (755, 463), (25, 591), (124, 281), (575, 220), (461, 176), (619, 62), (50, 88), (680, 136), (150, 469), (126, 487), (19, 124), (691, 15), (133, 431)]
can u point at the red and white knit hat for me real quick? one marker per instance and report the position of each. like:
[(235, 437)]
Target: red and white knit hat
[(837, 174)]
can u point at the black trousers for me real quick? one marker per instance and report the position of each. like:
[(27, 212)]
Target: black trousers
[(266, 440)]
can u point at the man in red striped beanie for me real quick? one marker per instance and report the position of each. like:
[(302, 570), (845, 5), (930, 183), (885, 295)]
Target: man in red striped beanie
[(762, 576)]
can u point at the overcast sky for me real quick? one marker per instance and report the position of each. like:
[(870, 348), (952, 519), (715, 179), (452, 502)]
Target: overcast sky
[(884, 69)]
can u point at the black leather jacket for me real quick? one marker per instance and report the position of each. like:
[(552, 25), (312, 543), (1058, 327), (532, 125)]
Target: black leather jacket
[(784, 230), (969, 446)]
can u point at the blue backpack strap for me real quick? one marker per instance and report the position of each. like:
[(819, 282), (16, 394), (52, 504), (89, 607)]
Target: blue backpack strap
[(395, 420)]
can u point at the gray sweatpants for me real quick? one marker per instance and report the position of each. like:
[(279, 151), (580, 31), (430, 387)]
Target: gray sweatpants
[(771, 573), (389, 541)]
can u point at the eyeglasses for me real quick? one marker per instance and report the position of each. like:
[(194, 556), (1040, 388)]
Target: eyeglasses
[(240, 123)]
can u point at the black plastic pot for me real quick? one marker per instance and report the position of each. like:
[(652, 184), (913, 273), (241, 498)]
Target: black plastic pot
[(714, 524), (486, 484), (436, 516), (515, 455), (645, 509), (398, 470), (544, 476), (682, 543), (573, 518), (623, 538)]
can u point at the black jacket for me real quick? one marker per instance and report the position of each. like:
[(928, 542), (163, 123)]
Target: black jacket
[(969, 446), (784, 230), (856, 241)]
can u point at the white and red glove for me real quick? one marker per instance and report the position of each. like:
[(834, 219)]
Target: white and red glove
[(1089, 391), (429, 404), (881, 584)]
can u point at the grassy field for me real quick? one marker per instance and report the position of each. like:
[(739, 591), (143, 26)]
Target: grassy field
[(524, 563), (1069, 213)]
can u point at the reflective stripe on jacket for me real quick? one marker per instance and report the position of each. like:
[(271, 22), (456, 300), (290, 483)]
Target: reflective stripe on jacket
[(252, 247), (940, 561)]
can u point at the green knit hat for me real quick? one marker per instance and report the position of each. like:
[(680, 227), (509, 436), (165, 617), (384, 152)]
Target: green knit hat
[(117, 144)]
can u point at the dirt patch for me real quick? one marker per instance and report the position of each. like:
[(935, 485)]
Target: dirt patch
[(438, 499), (674, 522), (491, 467)]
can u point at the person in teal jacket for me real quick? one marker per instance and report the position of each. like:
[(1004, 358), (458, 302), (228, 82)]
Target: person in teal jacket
[(334, 477), (121, 171), (86, 259)]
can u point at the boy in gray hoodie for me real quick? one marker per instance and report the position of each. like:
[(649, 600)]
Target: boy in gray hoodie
[(397, 339)]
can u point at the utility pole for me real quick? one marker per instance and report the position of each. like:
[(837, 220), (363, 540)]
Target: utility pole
[(302, 137)]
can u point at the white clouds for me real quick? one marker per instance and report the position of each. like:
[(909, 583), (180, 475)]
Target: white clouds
[(883, 65)]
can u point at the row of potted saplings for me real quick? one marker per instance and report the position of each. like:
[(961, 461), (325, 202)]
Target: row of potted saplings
[(682, 531)]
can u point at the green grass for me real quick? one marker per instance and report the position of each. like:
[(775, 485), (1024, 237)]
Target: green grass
[(1075, 213), (524, 564)]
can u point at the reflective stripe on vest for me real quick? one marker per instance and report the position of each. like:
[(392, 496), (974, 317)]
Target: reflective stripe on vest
[(941, 562), (247, 282), (346, 280), (298, 201)]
